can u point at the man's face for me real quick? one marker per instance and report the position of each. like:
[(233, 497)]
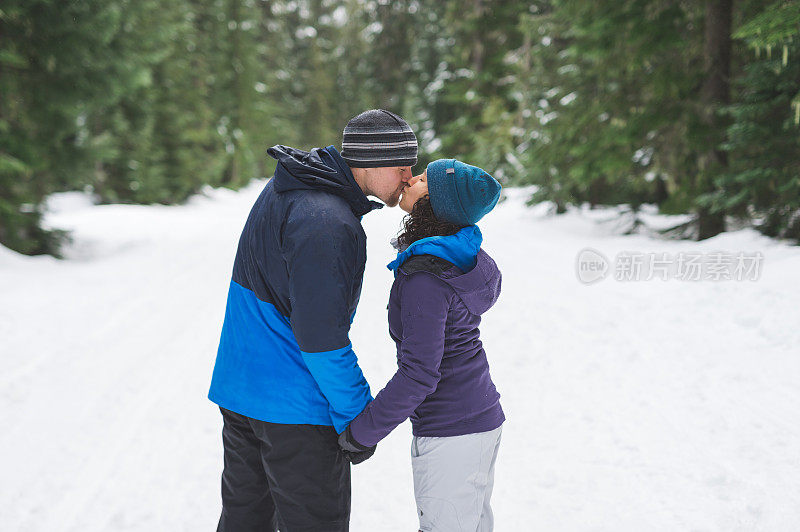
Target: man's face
[(387, 183)]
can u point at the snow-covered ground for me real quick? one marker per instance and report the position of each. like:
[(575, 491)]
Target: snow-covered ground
[(650, 405)]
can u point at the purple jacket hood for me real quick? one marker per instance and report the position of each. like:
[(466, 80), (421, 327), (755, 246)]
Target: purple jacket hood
[(475, 277), (479, 288)]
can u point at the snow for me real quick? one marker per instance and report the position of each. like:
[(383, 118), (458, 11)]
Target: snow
[(658, 405)]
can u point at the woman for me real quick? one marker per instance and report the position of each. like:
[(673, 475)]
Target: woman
[(443, 284)]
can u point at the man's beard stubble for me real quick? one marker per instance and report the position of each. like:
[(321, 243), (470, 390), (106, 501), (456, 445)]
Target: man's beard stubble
[(394, 199)]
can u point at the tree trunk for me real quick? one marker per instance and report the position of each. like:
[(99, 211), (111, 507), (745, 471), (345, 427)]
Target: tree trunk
[(714, 94)]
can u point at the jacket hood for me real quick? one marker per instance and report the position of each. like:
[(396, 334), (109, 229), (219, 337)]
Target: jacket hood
[(477, 278), (460, 248), (479, 288), (319, 169)]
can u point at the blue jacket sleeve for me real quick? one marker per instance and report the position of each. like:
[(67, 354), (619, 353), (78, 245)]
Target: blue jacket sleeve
[(424, 302), (321, 256)]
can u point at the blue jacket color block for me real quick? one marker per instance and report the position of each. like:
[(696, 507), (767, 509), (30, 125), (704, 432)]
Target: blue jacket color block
[(284, 354)]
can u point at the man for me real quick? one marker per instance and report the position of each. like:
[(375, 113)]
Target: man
[(286, 378)]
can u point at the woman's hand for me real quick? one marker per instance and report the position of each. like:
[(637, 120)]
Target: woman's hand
[(354, 451)]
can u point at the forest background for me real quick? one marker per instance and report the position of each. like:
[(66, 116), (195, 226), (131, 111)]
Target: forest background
[(692, 106)]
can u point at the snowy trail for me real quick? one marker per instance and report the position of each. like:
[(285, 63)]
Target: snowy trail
[(631, 406)]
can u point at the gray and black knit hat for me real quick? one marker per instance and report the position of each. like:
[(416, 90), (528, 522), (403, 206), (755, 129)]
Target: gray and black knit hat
[(377, 138)]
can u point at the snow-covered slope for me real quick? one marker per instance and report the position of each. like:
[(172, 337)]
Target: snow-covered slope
[(631, 405)]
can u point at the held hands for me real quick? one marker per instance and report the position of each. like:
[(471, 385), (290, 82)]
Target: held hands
[(354, 451)]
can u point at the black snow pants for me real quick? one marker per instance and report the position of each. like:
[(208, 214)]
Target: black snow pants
[(291, 478)]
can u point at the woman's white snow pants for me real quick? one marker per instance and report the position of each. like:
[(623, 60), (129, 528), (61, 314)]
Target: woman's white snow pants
[(453, 480)]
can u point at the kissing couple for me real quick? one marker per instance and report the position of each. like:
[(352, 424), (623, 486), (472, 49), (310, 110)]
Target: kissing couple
[(296, 408)]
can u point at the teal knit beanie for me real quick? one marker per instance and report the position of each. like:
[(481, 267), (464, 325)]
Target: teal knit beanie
[(460, 193)]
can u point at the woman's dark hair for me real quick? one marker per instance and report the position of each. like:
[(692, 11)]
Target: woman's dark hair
[(421, 223)]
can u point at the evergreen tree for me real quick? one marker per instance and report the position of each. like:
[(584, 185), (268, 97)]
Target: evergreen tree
[(121, 130), (764, 138), (417, 85), (714, 94), (614, 82), (604, 102), (390, 32), (236, 90), (55, 60), (474, 115)]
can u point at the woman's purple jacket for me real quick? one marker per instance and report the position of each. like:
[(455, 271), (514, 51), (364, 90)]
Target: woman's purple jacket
[(442, 381)]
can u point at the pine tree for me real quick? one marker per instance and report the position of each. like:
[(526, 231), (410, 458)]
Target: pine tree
[(605, 102), (475, 110), (417, 84), (121, 130), (55, 61), (714, 94), (763, 145), (609, 82)]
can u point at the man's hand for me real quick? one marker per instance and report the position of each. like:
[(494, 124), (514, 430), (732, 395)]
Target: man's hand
[(354, 451)]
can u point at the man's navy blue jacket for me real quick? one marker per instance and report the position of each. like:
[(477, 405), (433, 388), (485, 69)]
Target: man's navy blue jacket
[(285, 355)]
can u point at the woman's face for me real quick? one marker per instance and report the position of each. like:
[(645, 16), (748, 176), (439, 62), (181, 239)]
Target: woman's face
[(417, 187)]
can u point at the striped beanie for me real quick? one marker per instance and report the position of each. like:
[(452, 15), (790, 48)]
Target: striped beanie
[(378, 138)]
